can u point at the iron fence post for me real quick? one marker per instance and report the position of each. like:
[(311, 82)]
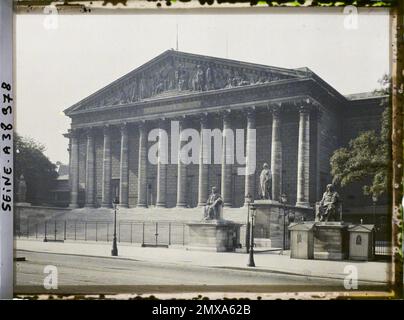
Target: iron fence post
[(119, 231), (46, 230), (183, 234), (169, 233), (156, 234), (64, 231), (55, 230), (143, 234)]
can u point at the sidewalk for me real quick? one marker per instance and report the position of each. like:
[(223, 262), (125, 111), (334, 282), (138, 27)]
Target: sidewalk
[(269, 262)]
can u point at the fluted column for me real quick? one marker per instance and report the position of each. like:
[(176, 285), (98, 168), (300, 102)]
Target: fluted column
[(276, 153), (74, 170), (142, 168), (124, 169), (90, 169), (203, 165), (303, 157), (162, 165), (227, 160), (182, 171), (250, 154), (106, 169)]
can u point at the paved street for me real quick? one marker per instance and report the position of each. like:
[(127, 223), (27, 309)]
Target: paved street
[(78, 273)]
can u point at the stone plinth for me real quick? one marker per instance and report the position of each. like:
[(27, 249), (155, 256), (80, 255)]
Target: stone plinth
[(214, 235), (330, 241), (269, 219)]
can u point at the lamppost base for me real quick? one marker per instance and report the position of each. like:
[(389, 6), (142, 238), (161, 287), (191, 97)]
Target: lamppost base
[(251, 262), (114, 251)]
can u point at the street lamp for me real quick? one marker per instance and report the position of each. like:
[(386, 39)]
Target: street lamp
[(251, 262), (248, 200), (284, 200), (114, 251), (374, 198)]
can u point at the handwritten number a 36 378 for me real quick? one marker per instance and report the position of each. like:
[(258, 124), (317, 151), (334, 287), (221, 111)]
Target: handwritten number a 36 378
[(6, 110), (6, 141)]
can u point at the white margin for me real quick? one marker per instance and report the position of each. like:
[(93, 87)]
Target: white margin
[(6, 161)]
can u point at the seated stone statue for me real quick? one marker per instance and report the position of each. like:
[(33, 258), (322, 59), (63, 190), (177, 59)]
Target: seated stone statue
[(213, 206), (328, 208)]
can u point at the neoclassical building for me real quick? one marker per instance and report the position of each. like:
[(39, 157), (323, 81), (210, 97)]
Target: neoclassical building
[(298, 118)]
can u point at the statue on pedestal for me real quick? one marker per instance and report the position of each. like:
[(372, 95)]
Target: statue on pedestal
[(213, 206), (22, 189), (265, 182), (328, 208)]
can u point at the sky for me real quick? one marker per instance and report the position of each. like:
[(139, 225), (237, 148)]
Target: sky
[(61, 59)]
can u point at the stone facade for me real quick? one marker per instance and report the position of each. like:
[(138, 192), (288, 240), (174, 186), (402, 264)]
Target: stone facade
[(299, 120)]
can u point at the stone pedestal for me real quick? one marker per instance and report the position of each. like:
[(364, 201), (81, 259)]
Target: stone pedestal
[(214, 235), (269, 221), (331, 241)]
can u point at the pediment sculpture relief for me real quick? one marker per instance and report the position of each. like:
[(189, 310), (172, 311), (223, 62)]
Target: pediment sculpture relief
[(179, 76)]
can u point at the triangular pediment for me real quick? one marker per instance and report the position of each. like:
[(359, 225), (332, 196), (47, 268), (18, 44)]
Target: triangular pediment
[(175, 73)]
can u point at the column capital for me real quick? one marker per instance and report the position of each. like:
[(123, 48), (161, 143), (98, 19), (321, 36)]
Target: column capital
[(275, 109), (306, 105), (106, 129), (304, 109), (250, 113), (203, 118), (226, 114), (141, 125), (124, 128)]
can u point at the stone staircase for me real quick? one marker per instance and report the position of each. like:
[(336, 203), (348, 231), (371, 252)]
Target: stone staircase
[(150, 214)]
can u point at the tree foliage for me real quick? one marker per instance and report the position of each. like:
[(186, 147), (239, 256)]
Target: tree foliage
[(366, 159), (39, 172)]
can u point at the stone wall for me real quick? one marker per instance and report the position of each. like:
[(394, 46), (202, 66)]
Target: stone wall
[(363, 115)]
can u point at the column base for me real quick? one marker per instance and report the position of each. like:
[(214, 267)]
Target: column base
[(202, 204), (161, 205), (89, 205), (141, 205), (228, 205), (123, 205), (181, 205), (106, 205), (303, 204), (73, 206)]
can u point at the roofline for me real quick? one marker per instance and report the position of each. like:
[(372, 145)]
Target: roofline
[(374, 97)]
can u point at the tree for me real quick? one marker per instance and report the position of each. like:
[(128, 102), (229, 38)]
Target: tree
[(39, 172), (367, 157)]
